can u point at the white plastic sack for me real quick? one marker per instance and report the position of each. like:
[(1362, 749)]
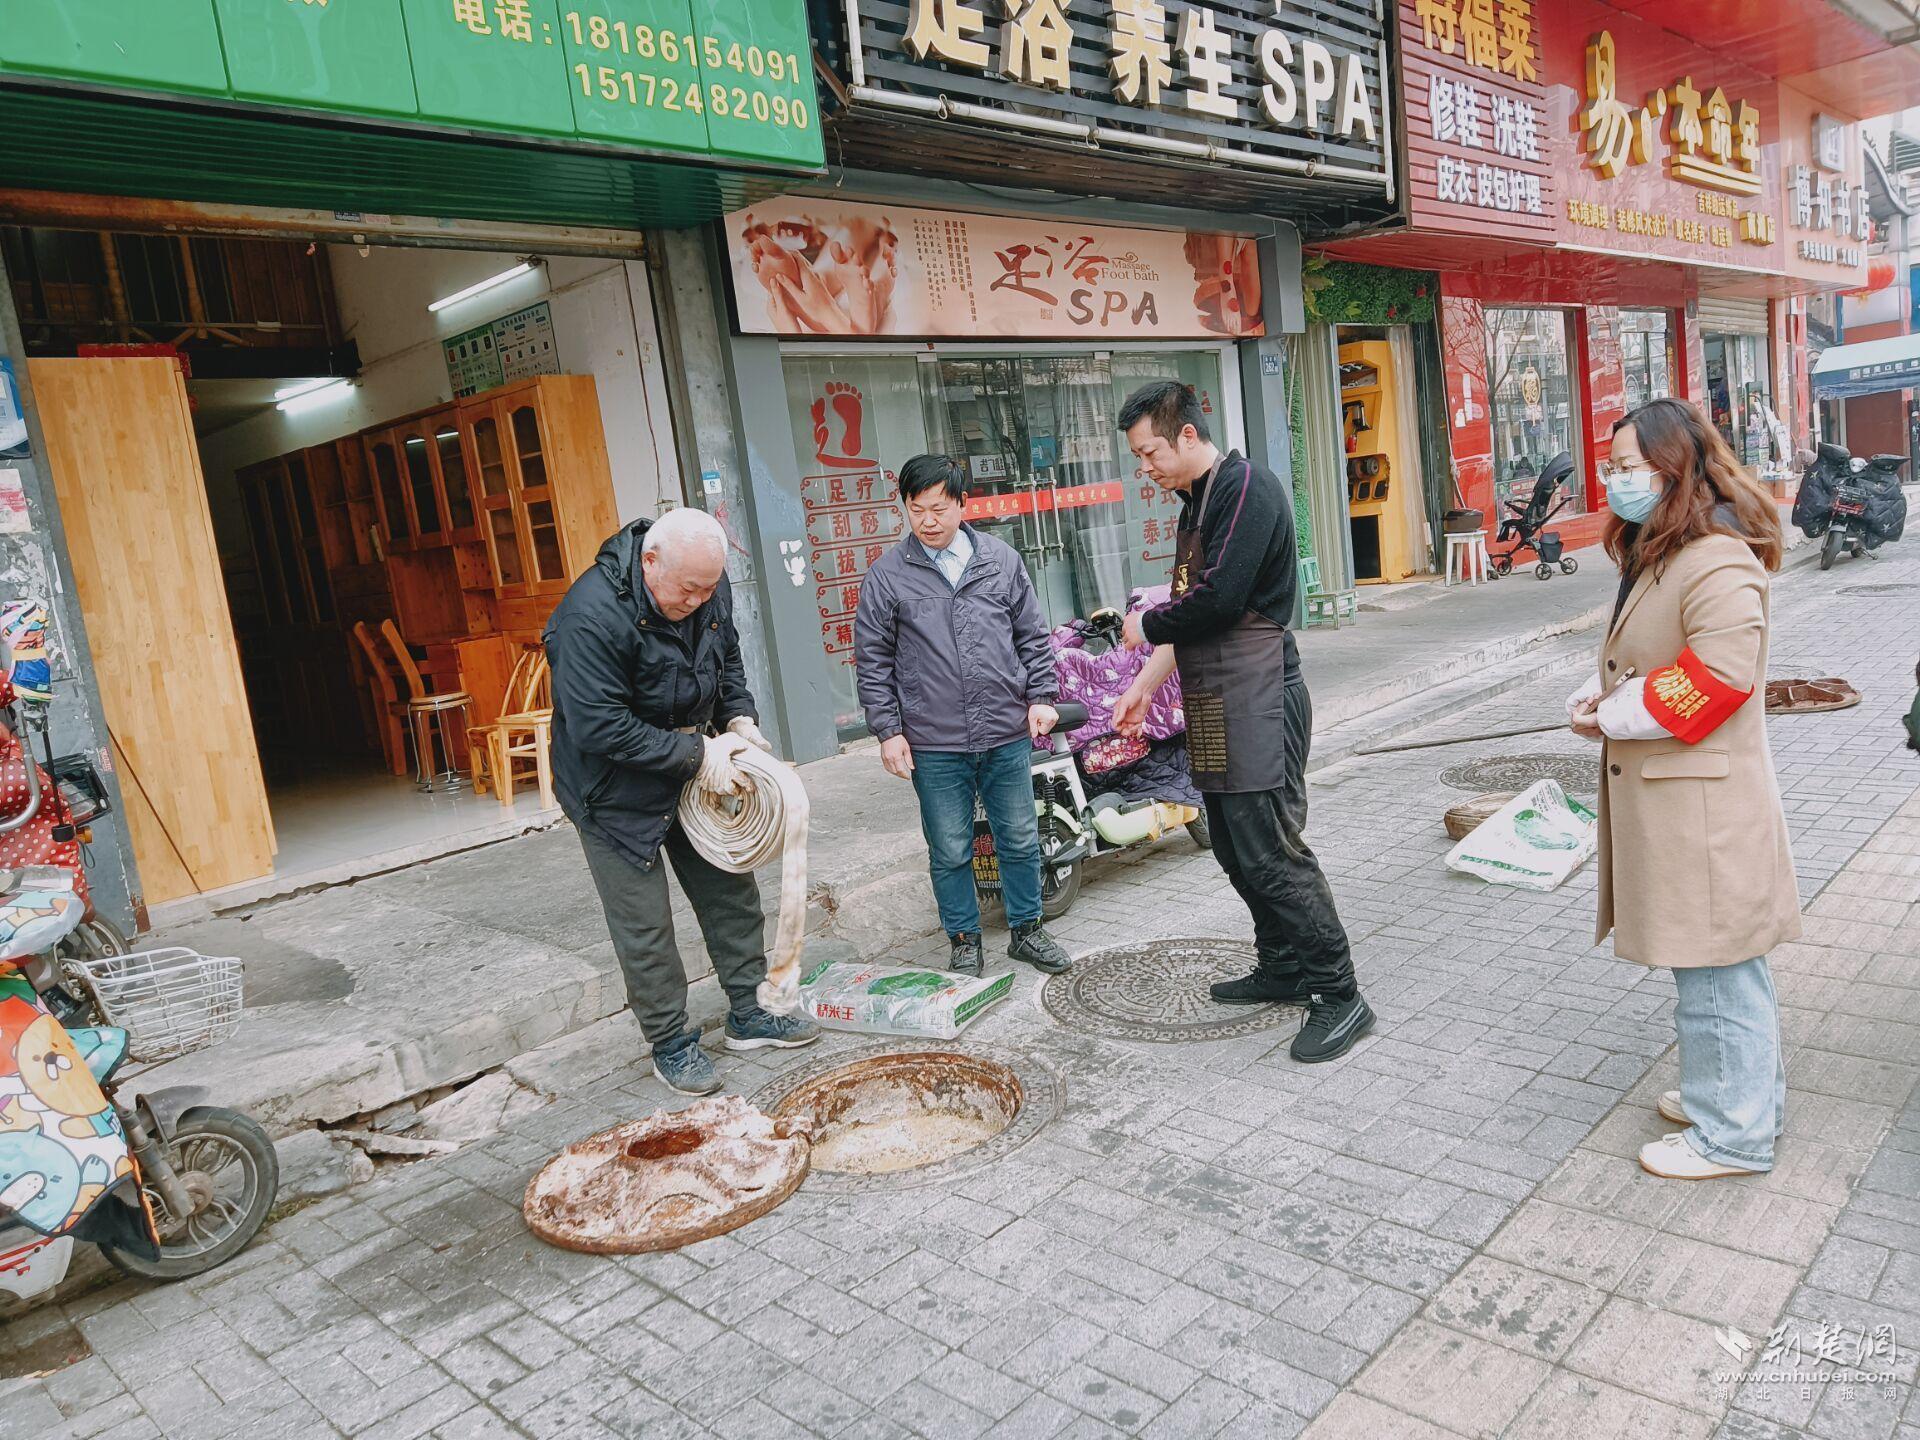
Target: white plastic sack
[(897, 999), (1535, 841)]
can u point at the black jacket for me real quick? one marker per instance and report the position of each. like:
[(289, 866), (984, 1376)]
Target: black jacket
[(625, 680), (1250, 564)]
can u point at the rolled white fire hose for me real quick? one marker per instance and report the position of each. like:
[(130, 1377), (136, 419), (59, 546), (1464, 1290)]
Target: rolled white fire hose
[(740, 832)]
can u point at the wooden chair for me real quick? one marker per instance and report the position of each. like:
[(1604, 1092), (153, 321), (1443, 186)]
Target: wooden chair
[(523, 731), (427, 713), (390, 711)]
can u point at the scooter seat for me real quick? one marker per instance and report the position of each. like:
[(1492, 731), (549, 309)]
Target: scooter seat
[(37, 919), (103, 1047)]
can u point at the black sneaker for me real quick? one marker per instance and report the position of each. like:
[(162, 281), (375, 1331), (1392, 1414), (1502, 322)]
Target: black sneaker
[(1334, 1025), (1263, 987), (1032, 944), (966, 958)]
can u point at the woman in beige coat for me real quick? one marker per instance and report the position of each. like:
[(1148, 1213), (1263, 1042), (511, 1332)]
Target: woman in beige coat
[(1695, 870)]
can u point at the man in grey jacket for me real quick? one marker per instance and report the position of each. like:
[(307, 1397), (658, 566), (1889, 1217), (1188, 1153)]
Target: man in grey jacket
[(956, 675)]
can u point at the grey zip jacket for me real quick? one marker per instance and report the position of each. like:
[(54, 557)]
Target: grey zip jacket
[(951, 668)]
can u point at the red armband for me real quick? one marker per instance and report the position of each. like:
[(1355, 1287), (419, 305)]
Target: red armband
[(1689, 701)]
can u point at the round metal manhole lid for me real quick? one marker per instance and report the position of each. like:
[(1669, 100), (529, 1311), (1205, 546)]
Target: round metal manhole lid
[(1041, 1094), (1896, 587), (1157, 991), (1576, 774)]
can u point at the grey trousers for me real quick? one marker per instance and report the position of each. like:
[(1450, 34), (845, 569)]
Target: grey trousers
[(640, 919)]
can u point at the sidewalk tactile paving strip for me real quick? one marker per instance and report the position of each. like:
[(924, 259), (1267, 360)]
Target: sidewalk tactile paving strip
[(1043, 1093), (1157, 991), (1576, 774)]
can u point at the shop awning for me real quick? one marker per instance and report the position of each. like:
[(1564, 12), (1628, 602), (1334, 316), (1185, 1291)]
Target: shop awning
[(1868, 367)]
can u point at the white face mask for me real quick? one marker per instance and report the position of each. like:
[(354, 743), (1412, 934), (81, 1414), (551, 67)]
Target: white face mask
[(1630, 493)]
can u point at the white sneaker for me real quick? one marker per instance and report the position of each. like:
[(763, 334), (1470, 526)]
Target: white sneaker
[(1671, 1110), (1672, 1158)]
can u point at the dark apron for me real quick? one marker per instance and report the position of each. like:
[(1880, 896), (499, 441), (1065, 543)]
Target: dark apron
[(1235, 687)]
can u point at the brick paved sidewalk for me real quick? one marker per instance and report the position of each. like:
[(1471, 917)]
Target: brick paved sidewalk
[(1438, 1234)]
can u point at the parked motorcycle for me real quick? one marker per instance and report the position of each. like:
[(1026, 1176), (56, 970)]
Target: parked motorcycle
[(1076, 827), (1850, 504), (1083, 814), (205, 1174)]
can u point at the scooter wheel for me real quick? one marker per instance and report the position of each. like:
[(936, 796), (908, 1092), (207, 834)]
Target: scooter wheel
[(1202, 836), (1059, 887), (1830, 550), (231, 1172)]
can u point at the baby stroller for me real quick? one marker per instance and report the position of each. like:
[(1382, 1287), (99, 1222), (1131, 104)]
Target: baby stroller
[(1523, 524)]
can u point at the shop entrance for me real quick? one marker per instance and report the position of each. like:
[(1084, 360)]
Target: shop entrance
[(1050, 474), (280, 546)]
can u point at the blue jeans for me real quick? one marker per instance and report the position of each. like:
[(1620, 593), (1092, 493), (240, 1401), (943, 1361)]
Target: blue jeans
[(1733, 1080), (946, 782)]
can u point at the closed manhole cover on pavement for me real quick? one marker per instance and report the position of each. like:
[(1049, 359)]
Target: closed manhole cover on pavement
[(889, 1116), (1576, 774), (1157, 991), (1892, 588)]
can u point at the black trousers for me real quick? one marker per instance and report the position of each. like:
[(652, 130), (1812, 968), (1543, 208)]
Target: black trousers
[(1259, 839)]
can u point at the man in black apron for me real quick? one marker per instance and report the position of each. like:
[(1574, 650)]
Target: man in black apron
[(1249, 718)]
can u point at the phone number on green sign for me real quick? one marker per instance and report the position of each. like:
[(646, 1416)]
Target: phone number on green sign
[(612, 84)]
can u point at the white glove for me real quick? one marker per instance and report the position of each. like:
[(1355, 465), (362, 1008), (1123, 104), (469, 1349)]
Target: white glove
[(743, 726), (1589, 691), (1623, 715), (718, 773)]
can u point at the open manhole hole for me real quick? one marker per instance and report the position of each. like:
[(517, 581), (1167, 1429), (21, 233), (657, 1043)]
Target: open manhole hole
[(1576, 774), (897, 1116), (1892, 587), (1157, 991)]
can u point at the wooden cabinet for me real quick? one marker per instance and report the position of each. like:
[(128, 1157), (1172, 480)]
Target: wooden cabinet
[(420, 467), (291, 650), (464, 524), (542, 484)]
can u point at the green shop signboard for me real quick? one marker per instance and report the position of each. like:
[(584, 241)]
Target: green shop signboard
[(722, 78)]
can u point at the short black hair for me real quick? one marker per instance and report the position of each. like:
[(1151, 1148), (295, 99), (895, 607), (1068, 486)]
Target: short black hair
[(924, 472), (1170, 405)]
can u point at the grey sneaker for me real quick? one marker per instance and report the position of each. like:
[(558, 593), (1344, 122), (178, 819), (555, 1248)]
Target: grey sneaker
[(966, 958), (686, 1068), (759, 1029), (1032, 944)]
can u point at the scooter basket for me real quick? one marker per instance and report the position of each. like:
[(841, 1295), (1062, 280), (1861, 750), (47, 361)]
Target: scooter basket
[(170, 1001)]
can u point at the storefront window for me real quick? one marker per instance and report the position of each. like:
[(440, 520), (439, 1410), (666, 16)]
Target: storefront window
[(1534, 402), (1646, 362), (1049, 472), (1741, 396)]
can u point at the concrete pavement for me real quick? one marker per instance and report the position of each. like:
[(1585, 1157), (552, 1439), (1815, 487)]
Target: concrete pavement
[(1438, 1235)]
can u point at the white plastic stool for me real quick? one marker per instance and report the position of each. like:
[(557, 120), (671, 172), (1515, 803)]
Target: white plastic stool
[(1467, 558)]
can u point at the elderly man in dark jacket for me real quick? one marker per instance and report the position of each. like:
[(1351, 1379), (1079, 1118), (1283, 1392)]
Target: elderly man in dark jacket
[(956, 675), (646, 666)]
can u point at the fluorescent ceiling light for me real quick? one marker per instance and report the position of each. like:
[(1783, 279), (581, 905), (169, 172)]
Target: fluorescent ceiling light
[(524, 267), (301, 387), (312, 396)]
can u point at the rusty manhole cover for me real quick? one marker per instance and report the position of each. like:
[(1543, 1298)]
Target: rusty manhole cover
[(1577, 775), (667, 1180), (1157, 991), (1894, 587), (1808, 697), (891, 1116)]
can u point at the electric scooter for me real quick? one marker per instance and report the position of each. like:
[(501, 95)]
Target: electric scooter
[(207, 1174), (1075, 828)]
